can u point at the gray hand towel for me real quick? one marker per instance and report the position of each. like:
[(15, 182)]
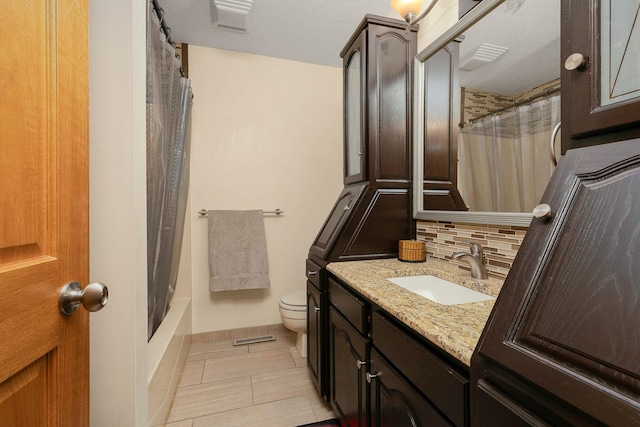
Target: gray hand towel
[(237, 251)]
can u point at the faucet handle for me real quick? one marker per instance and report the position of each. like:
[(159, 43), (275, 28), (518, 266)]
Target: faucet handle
[(475, 249)]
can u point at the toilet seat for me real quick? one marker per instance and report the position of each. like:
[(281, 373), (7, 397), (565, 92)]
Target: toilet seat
[(294, 301)]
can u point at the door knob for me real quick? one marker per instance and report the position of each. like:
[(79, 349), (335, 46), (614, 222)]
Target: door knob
[(93, 297)]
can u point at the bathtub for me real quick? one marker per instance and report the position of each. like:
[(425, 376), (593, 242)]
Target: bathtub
[(166, 356)]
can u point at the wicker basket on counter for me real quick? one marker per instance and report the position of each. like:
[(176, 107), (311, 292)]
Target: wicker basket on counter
[(412, 251)]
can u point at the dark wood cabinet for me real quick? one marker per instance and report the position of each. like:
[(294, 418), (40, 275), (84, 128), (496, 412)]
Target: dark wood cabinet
[(383, 375), (394, 400), (314, 333), (378, 102), (348, 350), (597, 107), (562, 344), (441, 115), (355, 95), (563, 340), (349, 347), (374, 210)]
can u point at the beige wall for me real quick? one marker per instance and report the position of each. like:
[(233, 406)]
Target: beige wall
[(443, 15), (267, 134), (305, 144)]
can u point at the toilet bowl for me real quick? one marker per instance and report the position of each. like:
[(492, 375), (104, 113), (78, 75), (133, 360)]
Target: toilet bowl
[(293, 310)]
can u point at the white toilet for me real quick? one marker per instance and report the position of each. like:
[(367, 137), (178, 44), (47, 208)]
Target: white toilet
[(293, 310)]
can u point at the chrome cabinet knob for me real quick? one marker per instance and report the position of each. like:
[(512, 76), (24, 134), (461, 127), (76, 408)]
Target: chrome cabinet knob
[(370, 376), (542, 211), (575, 61), (94, 297), (312, 272), (360, 363)]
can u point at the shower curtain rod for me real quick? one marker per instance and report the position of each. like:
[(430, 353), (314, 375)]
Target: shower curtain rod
[(529, 100), (163, 25), (166, 30)]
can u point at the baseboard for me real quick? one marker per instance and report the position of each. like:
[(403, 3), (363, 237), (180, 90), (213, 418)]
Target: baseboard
[(232, 334)]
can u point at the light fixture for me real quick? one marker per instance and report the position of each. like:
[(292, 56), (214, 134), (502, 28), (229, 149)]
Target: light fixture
[(410, 10)]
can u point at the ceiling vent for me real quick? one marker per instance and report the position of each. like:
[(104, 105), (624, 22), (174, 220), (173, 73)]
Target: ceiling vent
[(232, 15), (483, 55)]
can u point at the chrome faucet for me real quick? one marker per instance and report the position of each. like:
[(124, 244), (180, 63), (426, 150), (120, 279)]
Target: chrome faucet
[(475, 258)]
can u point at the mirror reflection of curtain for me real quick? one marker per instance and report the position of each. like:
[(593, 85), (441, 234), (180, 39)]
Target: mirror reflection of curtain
[(169, 102), (504, 162)]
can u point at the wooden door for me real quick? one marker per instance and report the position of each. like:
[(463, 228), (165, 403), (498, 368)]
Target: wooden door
[(563, 337), (44, 355)]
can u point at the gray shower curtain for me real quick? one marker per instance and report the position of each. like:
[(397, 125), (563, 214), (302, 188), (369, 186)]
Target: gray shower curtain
[(169, 101)]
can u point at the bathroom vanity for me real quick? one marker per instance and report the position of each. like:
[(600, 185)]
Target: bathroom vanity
[(397, 357)]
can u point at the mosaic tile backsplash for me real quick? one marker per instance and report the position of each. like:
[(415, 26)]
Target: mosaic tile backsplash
[(500, 243), (478, 103)]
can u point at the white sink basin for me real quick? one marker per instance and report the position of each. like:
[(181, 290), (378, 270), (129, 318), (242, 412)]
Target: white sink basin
[(439, 290)]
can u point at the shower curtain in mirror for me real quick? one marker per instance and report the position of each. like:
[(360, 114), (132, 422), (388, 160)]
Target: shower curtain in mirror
[(168, 139), (504, 161)]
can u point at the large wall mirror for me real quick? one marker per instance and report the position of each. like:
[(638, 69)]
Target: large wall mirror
[(505, 106)]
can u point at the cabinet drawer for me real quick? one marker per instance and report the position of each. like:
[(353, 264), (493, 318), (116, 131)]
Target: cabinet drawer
[(444, 385), (350, 306), (313, 273)]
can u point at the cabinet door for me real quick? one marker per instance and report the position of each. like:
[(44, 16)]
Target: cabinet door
[(566, 320), (601, 97), (441, 118), (314, 335), (354, 110), (395, 402), (333, 229), (348, 355), (497, 409)]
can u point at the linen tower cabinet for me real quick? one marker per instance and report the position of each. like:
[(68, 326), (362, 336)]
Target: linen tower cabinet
[(374, 210)]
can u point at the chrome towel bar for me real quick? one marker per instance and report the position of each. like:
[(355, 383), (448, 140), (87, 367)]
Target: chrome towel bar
[(203, 212)]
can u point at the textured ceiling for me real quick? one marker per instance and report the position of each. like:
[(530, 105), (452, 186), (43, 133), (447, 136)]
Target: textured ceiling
[(313, 31), (531, 31)]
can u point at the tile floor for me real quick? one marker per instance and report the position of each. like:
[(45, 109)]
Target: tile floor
[(262, 384)]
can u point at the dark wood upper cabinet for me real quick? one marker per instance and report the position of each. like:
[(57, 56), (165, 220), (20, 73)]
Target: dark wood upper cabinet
[(374, 210), (355, 135), (563, 343), (600, 98), (378, 87), (441, 117)]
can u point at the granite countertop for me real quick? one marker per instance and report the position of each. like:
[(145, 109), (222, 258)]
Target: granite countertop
[(454, 328)]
